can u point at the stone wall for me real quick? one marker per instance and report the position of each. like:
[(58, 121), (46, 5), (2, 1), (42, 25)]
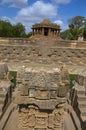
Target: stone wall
[(44, 51), (42, 54)]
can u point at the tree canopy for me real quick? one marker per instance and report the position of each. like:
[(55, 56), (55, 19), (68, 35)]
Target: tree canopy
[(77, 26), (9, 30)]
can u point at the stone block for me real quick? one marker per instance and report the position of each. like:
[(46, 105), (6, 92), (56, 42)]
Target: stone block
[(31, 92), (41, 121), (31, 120), (42, 94), (24, 90), (51, 121), (53, 94)]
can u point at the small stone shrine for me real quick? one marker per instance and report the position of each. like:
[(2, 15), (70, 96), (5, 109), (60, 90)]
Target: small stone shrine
[(42, 98), (46, 28)]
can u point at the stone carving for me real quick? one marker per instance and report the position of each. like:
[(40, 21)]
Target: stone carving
[(65, 75), (24, 89), (23, 118), (31, 120), (58, 117), (64, 82), (53, 94), (31, 117), (51, 121), (42, 94)]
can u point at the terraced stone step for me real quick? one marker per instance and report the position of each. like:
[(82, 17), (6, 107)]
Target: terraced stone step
[(83, 117), (81, 92), (81, 97), (82, 111), (2, 100), (1, 106), (82, 104), (75, 119), (2, 94)]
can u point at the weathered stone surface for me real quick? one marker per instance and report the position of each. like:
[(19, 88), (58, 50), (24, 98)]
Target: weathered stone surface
[(41, 92), (6, 88), (3, 70)]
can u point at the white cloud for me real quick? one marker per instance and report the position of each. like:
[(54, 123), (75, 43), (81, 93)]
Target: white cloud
[(36, 13), (61, 1), (62, 25), (16, 3), (59, 22), (39, 9)]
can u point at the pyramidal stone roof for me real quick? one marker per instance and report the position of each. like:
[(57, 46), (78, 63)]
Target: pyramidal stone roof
[(46, 23)]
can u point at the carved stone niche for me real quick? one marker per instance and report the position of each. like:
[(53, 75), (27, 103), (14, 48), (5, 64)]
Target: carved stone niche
[(53, 94), (31, 92), (42, 94), (31, 120), (24, 90), (41, 121)]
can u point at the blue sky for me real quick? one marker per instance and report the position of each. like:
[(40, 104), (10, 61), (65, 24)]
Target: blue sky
[(29, 12)]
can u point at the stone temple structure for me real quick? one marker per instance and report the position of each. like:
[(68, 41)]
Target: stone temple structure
[(50, 91), (41, 99), (46, 28)]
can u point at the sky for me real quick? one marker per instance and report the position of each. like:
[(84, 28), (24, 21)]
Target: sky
[(29, 12)]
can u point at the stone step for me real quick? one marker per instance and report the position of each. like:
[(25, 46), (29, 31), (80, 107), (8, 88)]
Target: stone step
[(1, 106), (81, 104), (75, 120), (81, 92), (0, 113), (81, 97), (82, 111), (2, 94), (2, 100), (83, 117)]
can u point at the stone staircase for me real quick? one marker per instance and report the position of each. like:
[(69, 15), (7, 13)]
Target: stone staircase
[(2, 100), (80, 104)]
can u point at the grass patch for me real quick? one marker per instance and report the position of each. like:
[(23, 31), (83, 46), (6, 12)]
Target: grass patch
[(14, 75), (72, 78)]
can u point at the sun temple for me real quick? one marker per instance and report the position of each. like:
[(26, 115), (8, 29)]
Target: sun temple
[(42, 81), (46, 28)]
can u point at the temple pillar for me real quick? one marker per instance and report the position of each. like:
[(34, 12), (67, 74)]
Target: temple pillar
[(49, 32), (33, 31), (42, 31), (58, 32), (37, 31), (54, 33)]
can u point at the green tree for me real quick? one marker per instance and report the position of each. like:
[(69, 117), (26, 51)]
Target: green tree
[(76, 26), (18, 30), (29, 34), (9, 30), (76, 22), (84, 30), (65, 34), (5, 28)]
